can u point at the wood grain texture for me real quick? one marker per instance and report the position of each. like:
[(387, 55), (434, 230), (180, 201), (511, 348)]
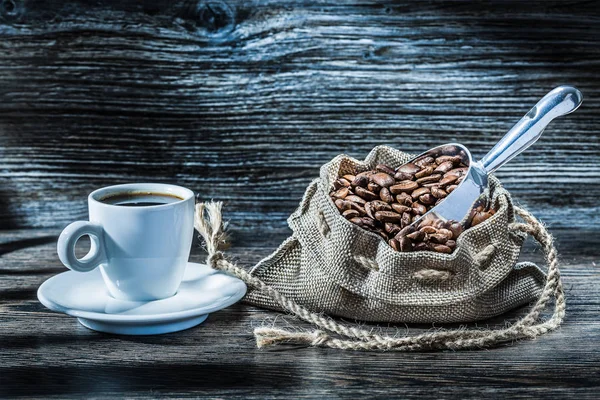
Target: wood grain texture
[(44, 354), (243, 101)]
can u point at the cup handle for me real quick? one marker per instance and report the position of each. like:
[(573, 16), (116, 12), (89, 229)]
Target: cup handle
[(66, 246)]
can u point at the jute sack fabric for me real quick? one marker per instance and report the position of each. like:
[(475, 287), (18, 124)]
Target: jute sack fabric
[(333, 266), (330, 267)]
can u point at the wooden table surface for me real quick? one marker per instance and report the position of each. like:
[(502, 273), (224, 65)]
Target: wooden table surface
[(45, 354), (243, 101)]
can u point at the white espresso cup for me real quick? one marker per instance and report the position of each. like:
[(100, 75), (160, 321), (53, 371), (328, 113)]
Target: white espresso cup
[(142, 251)]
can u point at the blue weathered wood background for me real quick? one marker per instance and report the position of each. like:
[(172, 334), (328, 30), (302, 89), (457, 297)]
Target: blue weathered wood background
[(242, 101)]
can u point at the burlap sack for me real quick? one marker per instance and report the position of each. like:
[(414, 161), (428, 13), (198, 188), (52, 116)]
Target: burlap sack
[(332, 266)]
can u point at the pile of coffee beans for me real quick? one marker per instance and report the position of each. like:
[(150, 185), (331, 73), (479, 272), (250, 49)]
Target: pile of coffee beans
[(479, 213), (430, 234), (387, 201)]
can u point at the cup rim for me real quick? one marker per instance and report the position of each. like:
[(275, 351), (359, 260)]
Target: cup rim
[(99, 194)]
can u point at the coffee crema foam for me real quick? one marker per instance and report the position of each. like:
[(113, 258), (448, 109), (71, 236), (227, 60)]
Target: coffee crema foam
[(140, 199)]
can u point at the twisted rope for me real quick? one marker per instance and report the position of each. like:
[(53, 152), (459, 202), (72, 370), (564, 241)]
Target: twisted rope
[(433, 275), (209, 224)]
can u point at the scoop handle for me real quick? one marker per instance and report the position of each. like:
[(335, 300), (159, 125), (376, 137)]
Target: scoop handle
[(560, 101)]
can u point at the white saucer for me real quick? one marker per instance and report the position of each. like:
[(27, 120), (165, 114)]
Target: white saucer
[(84, 295)]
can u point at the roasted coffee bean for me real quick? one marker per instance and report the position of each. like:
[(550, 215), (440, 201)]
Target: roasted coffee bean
[(360, 181), (439, 223), (399, 208), (351, 213), (451, 244), (430, 178), (369, 210), (409, 168), (446, 232), (355, 199), (457, 172), (438, 193), (405, 244), (424, 161), (365, 194), (421, 246), (406, 220), (391, 228), (387, 216), (369, 222), (403, 176), (379, 205), (385, 169), (394, 244), (441, 248), (418, 208), (479, 217), (451, 188), (404, 199), (341, 193), (340, 183), (356, 221), (428, 229), (427, 199), (407, 230), (404, 187), (349, 177), (426, 171), (416, 236), (386, 196), (419, 192), (437, 238), (444, 167), (343, 205), (456, 228), (376, 205), (449, 180), (382, 179), (373, 187), (454, 159), (428, 220)]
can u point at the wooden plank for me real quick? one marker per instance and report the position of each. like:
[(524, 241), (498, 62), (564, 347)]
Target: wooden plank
[(243, 103), (45, 354)]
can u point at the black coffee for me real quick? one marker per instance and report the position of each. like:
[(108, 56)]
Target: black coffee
[(140, 199)]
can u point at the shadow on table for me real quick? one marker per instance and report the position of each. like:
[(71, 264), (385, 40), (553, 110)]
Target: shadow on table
[(90, 379)]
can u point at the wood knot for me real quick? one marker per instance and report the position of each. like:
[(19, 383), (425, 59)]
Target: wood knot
[(11, 10), (214, 17)]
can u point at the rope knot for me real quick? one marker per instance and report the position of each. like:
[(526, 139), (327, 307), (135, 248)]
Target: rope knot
[(320, 338), (213, 259), (483, 258), (208, 221)]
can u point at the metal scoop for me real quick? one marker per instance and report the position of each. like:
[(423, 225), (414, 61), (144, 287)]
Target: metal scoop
[(560, 101)]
